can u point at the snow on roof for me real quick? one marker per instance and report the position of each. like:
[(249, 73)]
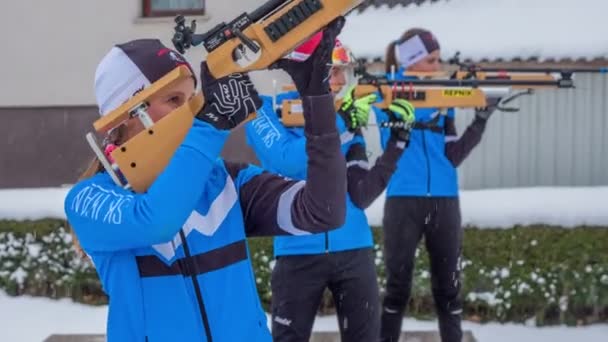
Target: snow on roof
[(488, 29), (376, 3)]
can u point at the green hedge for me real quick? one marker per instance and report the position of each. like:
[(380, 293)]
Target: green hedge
[(550, 274)]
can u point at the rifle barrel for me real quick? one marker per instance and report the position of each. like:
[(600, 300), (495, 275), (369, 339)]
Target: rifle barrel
[(265, 9), (601, 70), (473, 83)]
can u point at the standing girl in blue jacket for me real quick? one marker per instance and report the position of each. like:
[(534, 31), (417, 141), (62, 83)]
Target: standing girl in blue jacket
[(340, 260), (174, 260), (422, 197)]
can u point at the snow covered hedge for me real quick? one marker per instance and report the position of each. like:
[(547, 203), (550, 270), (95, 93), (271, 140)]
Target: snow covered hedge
[(550, 274), (37, 258)]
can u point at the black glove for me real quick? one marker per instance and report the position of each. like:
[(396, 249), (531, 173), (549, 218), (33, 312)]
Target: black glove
[(400, 129), (311, 77), (492, 105), (228, 100)]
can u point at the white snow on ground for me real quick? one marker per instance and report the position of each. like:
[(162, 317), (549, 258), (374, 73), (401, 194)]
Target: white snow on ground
[(27, 319), (566, 207), (32, 204), (488, 29), (493, 208), (504, 208)]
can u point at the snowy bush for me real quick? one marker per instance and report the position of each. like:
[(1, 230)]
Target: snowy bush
[(549, 275), (37, 258)]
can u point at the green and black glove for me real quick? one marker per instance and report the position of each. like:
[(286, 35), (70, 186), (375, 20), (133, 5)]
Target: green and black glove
[(355, 112), (401, 119)]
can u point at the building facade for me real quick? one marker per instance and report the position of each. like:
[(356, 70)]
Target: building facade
[(47, 101)]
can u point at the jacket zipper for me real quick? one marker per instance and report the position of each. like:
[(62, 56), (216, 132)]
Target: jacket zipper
[(326, 242), (197, 289), (428, 165)]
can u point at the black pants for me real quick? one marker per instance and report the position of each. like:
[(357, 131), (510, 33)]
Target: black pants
[(298, 283), (406, 219)]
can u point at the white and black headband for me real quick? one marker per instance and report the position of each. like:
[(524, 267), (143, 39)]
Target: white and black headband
[(413, 49)]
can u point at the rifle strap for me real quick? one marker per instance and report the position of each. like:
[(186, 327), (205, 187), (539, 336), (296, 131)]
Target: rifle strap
[(425, 125), (432, 125)]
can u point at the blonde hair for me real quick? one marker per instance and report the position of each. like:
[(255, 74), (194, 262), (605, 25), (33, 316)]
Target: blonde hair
[(116, 136)]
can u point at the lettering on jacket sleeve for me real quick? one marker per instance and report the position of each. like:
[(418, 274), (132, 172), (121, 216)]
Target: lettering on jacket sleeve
[(266, 129), (100, 204)]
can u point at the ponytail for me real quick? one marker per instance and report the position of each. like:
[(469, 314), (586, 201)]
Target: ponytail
[(94, 168), (391, 57)]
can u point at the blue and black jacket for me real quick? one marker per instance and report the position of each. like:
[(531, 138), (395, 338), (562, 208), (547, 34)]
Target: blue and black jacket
[(428, 167), (281, 150), (174, 260)]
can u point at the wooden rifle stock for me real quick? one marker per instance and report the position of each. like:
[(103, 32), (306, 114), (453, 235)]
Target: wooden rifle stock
[(440, 98)]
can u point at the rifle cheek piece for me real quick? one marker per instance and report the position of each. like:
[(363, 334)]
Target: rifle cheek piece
[(136, 163)]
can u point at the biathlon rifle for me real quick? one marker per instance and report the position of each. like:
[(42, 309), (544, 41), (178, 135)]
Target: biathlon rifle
[(254, 41), (441, 94)]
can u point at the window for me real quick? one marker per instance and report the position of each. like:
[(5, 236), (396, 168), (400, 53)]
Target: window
[(162, 8)]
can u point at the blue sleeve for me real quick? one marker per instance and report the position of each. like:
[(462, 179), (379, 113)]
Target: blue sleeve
[(107, 217), (278, 149), (385, 133)]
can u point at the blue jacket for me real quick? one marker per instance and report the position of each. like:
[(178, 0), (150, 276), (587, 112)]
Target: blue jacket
[(426, 168), (174, 260), (281, 150)]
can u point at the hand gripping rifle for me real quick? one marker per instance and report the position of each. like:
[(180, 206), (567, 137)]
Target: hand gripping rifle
[(254, 41)]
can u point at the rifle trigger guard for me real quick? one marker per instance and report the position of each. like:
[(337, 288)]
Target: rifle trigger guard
[(245, 40), (511, 98), (507, 109)]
